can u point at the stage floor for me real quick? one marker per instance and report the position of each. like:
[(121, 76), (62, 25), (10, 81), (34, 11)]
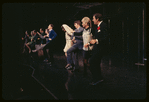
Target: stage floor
[(122, 80)]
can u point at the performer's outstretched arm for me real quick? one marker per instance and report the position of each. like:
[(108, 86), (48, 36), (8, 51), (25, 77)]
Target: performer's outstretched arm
[(42, 37)]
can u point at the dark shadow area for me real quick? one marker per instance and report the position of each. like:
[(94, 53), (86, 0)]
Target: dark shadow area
[(121, 80)]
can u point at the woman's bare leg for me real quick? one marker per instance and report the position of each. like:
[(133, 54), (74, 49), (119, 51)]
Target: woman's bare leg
[(66, 54), (28, 48)]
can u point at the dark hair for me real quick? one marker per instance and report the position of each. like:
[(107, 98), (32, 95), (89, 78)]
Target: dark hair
[(51, 25), (42, 29), (98, 16), (78, 22), (35, 31), (47, 30), (63, 28)]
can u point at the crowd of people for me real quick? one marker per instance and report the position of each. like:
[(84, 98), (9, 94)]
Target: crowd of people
[(92, 41)]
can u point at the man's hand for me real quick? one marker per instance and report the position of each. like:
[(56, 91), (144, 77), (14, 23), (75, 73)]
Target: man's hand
[(22, 38), (38, 38), (73, 40), (86, 45), (93, 41), (50, 39)]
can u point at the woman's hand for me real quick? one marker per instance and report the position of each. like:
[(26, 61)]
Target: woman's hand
[(93, 41), (65, 54), (72, 31), (86, 45)]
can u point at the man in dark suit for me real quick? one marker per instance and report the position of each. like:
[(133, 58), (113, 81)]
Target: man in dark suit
[(100, 42), (50, 45)]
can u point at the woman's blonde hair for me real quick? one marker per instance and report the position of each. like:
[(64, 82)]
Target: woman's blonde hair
[(87, 20)]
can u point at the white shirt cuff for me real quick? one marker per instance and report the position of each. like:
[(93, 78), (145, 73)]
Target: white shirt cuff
[(96, 41)]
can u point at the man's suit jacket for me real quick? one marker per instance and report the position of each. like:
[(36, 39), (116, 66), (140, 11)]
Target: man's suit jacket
[(52, 35), (102, 37)]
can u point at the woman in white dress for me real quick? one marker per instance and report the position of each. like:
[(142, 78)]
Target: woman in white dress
[(68, 34)]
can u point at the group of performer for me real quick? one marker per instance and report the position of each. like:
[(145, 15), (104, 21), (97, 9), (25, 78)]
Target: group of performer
[(45, 40), (92, 41)]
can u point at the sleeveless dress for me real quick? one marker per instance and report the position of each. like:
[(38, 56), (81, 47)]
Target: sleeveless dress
[(31, 42)]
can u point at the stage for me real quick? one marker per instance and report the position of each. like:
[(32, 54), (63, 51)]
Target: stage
[(40, 81), (26, 77)]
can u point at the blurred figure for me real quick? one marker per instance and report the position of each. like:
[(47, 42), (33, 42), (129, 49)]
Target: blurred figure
[(26, 39), (41, 35), (43, 41), (30, 42), (33, 38)]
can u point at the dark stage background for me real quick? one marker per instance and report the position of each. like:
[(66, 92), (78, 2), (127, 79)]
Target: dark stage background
[(126, 25), (126, 22)]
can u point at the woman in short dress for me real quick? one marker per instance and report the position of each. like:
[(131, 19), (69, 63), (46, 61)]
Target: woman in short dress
[(68, 34), (30, 44)]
